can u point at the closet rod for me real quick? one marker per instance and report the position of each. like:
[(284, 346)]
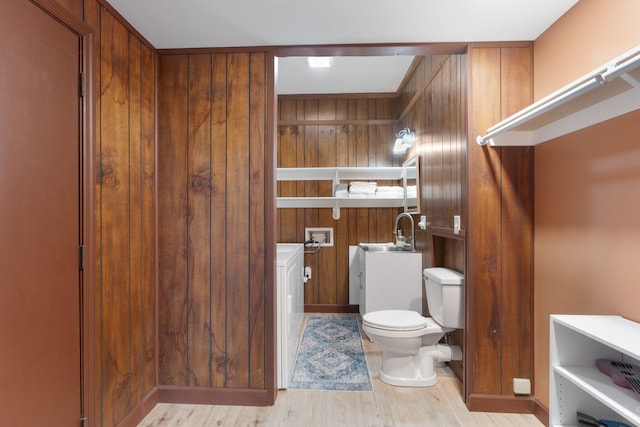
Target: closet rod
[(616, 68)]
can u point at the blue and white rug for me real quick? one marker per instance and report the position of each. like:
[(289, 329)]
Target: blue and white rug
[(331, 356)]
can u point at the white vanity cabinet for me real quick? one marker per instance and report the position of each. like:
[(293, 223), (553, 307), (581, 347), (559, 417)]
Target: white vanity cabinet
[(390, 280), (576, 384)]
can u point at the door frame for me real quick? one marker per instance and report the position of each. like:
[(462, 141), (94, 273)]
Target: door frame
[(87, 202)]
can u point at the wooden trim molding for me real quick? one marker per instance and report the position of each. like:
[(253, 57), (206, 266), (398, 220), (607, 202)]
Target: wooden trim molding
[(500, 403), (330, 308), (368, 95), (448, 233), (214, 396), (137, 414), (541, 412), (355, 122), (381, 49)]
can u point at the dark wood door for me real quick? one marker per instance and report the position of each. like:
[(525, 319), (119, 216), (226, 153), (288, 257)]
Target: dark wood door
[(40, 165)]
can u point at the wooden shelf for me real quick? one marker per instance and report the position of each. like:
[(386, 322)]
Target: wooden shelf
[(607, 92), (448, 233)]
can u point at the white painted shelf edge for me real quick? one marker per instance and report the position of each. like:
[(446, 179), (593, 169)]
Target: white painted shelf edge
[(615, 333), (607, 92), (341, 202), (345, 173), (336, 174), (602, 388)]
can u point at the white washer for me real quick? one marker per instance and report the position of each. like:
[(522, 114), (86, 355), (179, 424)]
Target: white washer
[(290, 303)]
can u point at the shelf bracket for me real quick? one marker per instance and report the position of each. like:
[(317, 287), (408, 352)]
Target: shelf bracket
[(336, 212)]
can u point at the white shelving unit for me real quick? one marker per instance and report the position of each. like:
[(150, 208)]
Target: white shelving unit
[(336, 175), (576, 384), (607, 92)]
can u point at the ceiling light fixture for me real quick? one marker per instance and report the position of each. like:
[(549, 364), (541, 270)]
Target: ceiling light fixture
[(319, 61), (404, 139)]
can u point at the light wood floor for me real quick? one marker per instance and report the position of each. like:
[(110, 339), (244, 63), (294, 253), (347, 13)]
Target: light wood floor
[(440, 405)]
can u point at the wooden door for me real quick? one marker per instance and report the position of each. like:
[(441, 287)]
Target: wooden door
[(40, 212)]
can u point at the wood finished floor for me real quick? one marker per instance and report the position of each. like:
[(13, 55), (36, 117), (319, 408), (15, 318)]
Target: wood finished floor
[(440, 405)]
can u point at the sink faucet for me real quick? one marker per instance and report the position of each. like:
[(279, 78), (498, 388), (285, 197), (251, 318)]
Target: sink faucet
[(398, 233)]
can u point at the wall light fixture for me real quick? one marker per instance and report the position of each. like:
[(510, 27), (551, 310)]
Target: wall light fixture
[(404, 139)]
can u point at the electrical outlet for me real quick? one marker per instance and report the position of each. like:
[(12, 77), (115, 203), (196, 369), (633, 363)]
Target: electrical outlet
[(324, 236), (521, 386)]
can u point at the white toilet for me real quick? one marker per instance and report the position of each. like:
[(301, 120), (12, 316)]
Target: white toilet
[(409, 341)]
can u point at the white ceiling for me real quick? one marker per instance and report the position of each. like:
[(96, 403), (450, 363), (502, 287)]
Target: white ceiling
[(231, 23)]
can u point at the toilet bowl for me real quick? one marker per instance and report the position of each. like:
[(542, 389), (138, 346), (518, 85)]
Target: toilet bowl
[(409, 341)]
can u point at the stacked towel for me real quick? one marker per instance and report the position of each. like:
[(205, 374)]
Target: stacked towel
[(365, 188), (390, 192), (412, 192), (341, 190)]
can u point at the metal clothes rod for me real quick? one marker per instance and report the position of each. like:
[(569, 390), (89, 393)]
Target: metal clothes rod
[(616, 68)]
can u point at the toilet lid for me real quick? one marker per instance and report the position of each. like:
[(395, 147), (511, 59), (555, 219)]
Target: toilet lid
[(399, 320)]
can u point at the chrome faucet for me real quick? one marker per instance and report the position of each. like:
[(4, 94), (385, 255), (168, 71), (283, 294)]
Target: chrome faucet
[(399, 238)]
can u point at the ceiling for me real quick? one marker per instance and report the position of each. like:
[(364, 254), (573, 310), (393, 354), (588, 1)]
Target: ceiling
[(232, 23)]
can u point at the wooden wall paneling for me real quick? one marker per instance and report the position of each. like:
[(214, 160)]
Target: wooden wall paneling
[(172, 228), (219, 209), (311, 148), (199, 245), (135, 217), (328, 283), (115, 221), (287, 158), (461, 157), (361, 160), (237, 223), (517, 226), (300, 185), (484, 359), (257, 232), (148, 218), (300, 162), (342, 225)]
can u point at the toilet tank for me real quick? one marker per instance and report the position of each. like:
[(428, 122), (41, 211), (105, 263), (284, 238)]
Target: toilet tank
[(445, 296)]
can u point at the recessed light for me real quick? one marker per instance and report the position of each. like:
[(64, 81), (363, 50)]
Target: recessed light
[(319, 61)]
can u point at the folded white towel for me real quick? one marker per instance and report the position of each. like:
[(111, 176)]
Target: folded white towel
[(364, 184), (387, 189), (342, 193), (371, 191)]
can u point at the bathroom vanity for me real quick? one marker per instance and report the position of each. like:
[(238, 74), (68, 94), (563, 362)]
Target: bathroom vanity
[(386, 278)]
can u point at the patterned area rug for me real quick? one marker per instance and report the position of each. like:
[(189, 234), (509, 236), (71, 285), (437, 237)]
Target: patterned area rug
[(331, 356)]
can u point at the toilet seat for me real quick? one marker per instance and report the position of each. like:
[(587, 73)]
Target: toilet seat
[(400, 324), (396, 320)]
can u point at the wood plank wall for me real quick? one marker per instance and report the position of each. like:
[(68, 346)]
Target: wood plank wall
[(333, 131), (213, 195), (124, 148), (433, 103), (124, 83), (500, 221)]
